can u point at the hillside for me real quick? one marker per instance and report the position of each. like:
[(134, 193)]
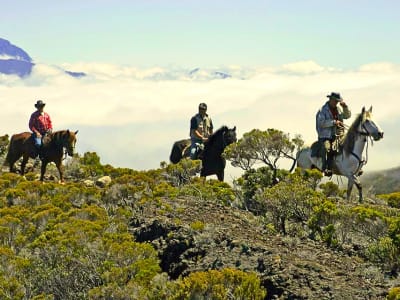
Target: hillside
[(117, 233), (382, 182)]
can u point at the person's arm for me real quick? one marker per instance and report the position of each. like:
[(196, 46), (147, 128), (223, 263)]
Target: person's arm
[(346, 113), (50, 124), (32, 126), (194, 130)]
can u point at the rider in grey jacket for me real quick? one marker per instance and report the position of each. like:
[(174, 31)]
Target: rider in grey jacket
[(329, 123)]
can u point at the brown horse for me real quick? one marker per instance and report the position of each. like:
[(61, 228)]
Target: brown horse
[(22, 144)]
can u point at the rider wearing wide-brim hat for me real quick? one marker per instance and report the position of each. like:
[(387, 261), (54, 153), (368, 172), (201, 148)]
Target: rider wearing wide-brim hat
[(40, 124), (329, 125)]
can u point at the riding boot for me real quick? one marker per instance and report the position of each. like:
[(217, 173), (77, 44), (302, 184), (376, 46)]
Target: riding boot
[(329, 161), (323, 158)]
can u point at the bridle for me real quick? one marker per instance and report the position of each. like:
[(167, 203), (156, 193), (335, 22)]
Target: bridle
[(366, 134)]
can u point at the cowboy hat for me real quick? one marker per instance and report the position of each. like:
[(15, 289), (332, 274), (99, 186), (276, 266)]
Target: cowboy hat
[(336, 96), (39, 103)]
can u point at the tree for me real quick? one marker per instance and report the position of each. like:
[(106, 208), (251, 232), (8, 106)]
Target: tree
[(267, 147)]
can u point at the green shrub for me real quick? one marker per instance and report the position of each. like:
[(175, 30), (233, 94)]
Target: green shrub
[(182, 172), (394, 294), (219, 285), (197, 226), (393, 199), (385, 253), (291, 199)]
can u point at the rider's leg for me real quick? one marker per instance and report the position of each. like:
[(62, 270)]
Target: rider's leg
[(329, 157), (193, 150), (38, 144)]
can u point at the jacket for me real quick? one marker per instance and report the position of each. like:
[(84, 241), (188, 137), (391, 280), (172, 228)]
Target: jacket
[(325, 122), (203, 125)]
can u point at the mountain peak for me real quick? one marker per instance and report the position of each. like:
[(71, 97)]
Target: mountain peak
[(10, 51), (15, 61)]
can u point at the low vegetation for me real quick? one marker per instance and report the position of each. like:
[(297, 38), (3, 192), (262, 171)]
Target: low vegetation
[(73, 241)]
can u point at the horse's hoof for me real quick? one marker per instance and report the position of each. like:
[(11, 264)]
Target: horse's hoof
[(61, 182)]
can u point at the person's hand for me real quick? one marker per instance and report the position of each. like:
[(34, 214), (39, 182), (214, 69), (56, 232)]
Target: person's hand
[(204, 139), (339, 123), (38, 134)]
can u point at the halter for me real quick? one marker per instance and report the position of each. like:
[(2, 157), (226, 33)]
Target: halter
[(367, 134)]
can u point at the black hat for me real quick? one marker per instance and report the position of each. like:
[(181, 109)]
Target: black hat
[(39, 103), (202, 106), (336, 96)]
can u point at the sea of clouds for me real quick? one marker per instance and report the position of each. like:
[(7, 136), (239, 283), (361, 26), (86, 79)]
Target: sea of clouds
[(131, 116)]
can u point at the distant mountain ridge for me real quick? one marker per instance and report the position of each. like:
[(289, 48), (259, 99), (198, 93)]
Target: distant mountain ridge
[(382, 182), (16, 61)]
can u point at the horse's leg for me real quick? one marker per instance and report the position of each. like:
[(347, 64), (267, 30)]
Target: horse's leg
[(220, 175), (60, 170), (23, 163), (349, 186), (43, 169), (11, 163), (359, 187)]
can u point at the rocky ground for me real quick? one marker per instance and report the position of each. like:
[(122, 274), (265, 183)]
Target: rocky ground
[(290, 268)]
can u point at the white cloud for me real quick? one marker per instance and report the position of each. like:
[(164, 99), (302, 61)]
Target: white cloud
[(303, 67), (131, 117)]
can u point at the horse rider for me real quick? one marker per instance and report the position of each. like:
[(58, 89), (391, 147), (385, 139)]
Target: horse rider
[(201, 127), (40, 124), (329, 124)]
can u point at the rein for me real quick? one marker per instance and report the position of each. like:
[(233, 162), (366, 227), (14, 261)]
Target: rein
[(366, 133)]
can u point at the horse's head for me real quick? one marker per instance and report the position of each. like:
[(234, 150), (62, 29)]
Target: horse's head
[(229, 136), (368, 126), (66, 139)]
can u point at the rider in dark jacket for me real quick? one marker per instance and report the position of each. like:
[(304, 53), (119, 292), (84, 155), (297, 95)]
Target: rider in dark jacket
[(201, 127)]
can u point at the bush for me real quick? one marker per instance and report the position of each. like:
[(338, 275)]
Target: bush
[(394, 294), (393, 199), (290, 199), (219, 285)]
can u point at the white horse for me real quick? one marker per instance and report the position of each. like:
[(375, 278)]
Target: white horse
[(348, 162)]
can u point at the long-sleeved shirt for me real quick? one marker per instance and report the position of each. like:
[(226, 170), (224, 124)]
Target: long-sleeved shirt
[(325, 120), (204, 126), (40, 122)]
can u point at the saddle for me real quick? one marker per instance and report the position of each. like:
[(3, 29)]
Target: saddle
[(317, 148), (46, 138), (199, 150)]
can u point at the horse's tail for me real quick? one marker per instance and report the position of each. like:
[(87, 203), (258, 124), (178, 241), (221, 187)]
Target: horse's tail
[(7, 160), (176, 153)]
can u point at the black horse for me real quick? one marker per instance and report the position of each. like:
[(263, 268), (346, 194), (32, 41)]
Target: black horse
[(211, 157)]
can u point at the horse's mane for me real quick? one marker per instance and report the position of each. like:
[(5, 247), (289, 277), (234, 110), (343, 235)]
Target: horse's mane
[(350, 137), (215, 136)]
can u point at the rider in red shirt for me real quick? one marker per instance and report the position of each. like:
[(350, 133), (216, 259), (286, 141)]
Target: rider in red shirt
[(40, 124)]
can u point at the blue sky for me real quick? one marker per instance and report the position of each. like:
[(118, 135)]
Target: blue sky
[(284, 58), (339, 33)]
